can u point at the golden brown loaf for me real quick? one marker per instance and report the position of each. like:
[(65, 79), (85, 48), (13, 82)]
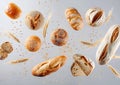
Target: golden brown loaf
[(74, 18), (49, 66)]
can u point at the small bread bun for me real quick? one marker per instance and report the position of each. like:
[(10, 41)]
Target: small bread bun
[(76, 70), (109, 45), (7, 47), (33, 43), (47, 67), (59, 37), (13, 11), (34, 20), (3, 54)]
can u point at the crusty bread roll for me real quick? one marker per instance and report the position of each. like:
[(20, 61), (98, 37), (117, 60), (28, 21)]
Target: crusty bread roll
[(34, 20), (7, 47), (74, 18), (13, 11), (59, 37), (109, 45), (95, 17), (33, 43), (82, 66), (49, 66), (3, 54)]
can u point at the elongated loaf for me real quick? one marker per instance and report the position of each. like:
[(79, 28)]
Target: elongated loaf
[(109, 45), (49, 66), (74, 18)]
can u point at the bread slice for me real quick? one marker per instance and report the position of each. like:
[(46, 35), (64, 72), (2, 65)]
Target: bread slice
[(76, 70), (86, 65)]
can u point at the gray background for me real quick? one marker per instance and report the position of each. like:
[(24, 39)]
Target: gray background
[(20, 74)]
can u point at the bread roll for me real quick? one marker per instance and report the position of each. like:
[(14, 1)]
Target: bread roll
[(13, 11), (7, 47), (59, 37), (3, 54), (34, 20), (33, 43)]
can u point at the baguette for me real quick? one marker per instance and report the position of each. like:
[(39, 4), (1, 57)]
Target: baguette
[(109, 45), (49, 66)]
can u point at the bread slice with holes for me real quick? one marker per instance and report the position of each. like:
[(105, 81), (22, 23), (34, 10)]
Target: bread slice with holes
[(76, 70), (83, 65)]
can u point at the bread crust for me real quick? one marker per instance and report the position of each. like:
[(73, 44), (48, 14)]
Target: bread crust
[(59, 37), (74, 18), (109, 45), (47, 67)]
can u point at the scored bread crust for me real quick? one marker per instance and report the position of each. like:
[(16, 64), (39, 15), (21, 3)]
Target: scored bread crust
[(109, 45), (95, 17), (59, 37), (49, 66), (74, 18), (7, 47)]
